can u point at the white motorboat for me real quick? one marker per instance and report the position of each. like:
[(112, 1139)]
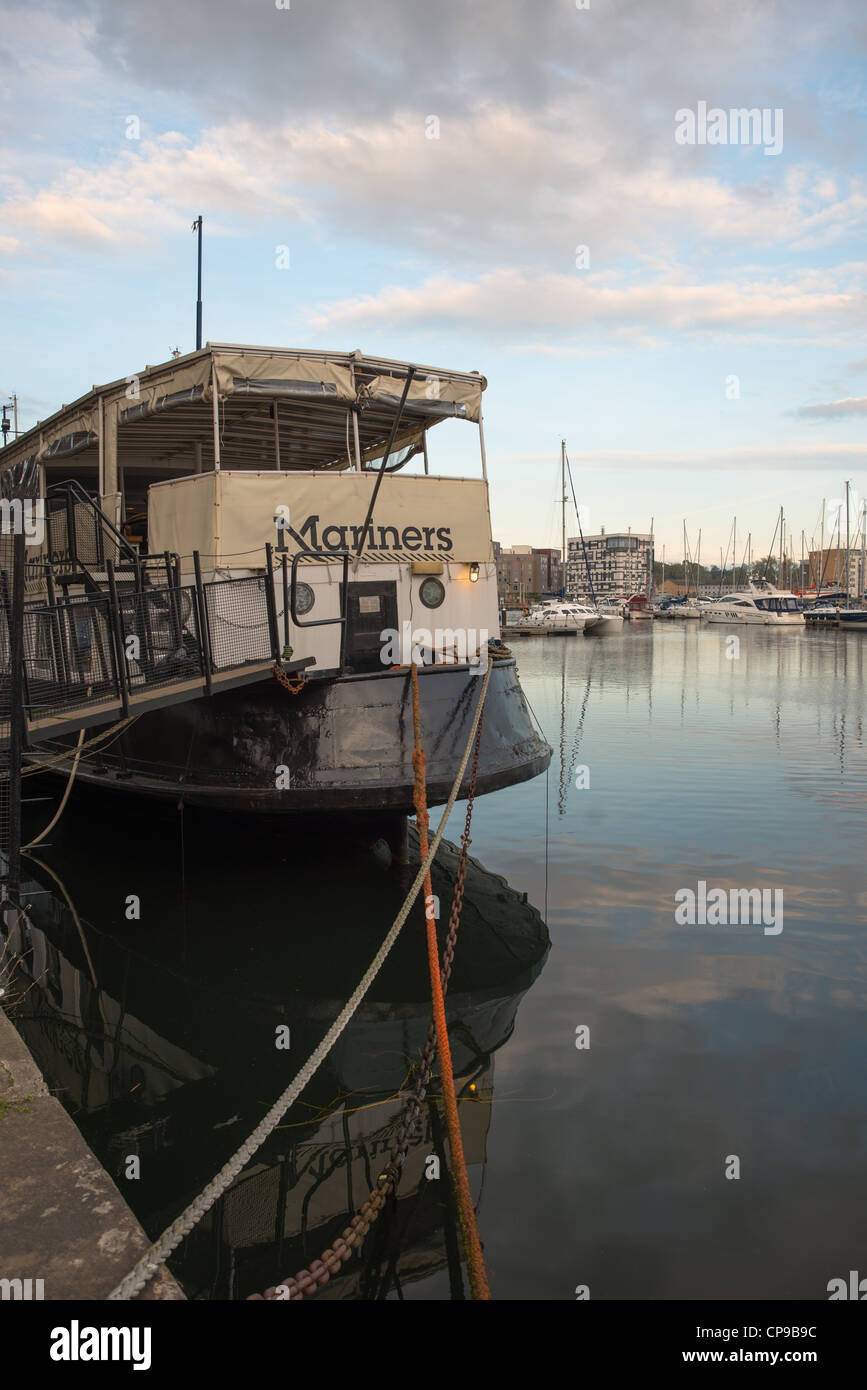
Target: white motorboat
[(683, 608), (564, 618), (760, 604)]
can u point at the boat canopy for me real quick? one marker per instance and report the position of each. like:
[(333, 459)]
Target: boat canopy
[(236, 407)]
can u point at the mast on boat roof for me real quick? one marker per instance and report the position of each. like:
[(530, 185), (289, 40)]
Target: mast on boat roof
[(197, 225)]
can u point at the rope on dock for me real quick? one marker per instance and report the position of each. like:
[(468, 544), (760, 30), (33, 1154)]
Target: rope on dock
[(469, 1229), (159, 1252)]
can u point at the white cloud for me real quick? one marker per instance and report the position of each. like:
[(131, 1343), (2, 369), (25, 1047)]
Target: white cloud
[(836, 410), (150, 188), (501, 184), (509, 300)]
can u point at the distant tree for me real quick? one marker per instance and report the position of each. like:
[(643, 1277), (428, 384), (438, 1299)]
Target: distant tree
[(766, 568)]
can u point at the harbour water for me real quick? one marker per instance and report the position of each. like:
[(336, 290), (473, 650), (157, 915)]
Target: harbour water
[(603, 1164)]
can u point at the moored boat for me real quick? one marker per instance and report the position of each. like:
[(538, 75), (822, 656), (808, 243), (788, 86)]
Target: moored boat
[(758, 604), (833, 615), (637, 608), (216, 465), (563, 619)]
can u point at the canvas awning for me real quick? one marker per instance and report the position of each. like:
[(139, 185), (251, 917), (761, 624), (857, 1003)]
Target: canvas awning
[(304, 405), (432, 395)]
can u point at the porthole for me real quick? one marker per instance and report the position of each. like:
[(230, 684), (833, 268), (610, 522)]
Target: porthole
[(432, 593), (304, 599)]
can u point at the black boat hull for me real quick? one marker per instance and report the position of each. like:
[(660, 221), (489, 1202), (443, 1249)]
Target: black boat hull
[(339, 745)]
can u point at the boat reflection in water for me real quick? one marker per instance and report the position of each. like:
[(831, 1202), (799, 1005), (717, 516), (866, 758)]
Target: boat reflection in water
[(160, 1034)]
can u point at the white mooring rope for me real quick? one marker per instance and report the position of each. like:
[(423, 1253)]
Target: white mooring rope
[(171, 1238)]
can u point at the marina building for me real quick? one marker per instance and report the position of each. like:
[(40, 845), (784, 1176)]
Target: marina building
[(830, 567), (524, 573), (620, 563)]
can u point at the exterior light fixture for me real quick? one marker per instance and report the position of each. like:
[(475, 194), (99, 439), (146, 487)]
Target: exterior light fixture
[(474, 572), (281, 521)]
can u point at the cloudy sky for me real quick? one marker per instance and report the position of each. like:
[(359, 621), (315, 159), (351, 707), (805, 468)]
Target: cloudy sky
[(434, 168)]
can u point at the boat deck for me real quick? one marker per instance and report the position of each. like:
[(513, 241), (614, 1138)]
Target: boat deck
[(96, 658)]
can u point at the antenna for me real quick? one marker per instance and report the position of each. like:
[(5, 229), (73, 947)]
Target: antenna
[(197, 226)]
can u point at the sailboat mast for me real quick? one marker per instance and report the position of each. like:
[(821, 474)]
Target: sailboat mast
[(821, 550), (563, 490), (847, 542), (580, 529)]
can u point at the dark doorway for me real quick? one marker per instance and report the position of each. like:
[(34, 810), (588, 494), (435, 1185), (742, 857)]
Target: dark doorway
[(370, 609)]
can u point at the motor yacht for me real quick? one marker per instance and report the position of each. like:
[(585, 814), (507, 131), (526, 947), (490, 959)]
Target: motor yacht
[(763, 604)]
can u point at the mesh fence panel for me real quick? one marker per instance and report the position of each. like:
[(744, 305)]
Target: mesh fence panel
[(68, 655), (80, 650), (5, 700), (76, 532), (160, 636), (4, 805), (57, 531), (88, 536), (238, 621)]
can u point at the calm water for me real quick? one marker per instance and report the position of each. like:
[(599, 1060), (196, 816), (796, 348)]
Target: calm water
[(604, 1166)]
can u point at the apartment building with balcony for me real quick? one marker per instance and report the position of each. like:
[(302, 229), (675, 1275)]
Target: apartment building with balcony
[(620, 563), (525, 573)]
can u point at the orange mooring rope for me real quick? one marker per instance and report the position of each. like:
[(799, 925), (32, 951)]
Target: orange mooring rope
[(472, 1244)]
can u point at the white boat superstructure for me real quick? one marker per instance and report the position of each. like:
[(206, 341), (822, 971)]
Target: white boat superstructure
[(560, 617), (565, 618), (763, 605)]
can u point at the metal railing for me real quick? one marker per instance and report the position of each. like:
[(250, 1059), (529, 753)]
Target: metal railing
[(83, 649), (290, 593), (80, 536)]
